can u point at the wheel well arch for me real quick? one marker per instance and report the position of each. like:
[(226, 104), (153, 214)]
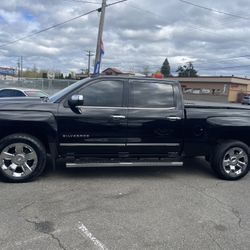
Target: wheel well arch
[(39, 132), (225, 134)]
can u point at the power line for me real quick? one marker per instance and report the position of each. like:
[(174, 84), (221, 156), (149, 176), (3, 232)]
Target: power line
[(227, 67), (90, 2), (191, 26), (214, 10), (84, 2), (48, 28), (223, 59), (161, 17), (144, 10), (121, 1), (56, 25)]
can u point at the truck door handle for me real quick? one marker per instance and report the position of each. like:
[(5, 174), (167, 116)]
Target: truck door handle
[(173, 118), (117, 117)]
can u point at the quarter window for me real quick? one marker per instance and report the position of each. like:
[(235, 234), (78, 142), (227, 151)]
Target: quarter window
[(104, 94), (151, 95)]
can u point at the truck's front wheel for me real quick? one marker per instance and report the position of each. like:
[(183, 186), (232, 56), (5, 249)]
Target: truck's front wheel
[(22, 158), (231, 160)]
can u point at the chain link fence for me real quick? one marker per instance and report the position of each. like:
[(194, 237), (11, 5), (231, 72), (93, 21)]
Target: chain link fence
[(47, 85)]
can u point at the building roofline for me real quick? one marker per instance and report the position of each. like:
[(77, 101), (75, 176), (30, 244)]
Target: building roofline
[(131, 77), (214, 79)]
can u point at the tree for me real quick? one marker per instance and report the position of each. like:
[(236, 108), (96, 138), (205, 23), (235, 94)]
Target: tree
[(146, 70), (165, 68), (187, 70), (70, 76)]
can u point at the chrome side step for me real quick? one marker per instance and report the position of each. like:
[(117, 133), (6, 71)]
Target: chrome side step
[(123, 164)]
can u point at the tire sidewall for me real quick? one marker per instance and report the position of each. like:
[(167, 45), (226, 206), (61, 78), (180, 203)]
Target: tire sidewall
[(220, 151), (36, 145)]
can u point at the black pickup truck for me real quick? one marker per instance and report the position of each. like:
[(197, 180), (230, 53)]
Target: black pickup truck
[(121, 121)]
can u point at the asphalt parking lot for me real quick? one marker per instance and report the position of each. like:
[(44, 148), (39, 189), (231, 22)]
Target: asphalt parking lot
[(126, 208)]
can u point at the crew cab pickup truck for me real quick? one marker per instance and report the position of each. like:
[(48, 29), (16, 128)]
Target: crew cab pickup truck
[(121, 121)]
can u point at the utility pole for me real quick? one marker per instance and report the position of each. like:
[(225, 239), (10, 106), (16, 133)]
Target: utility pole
[(21, 59), (99, 38), (89, 54), (18, 68)]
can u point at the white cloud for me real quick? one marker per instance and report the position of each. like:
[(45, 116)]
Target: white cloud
[(137, 34)]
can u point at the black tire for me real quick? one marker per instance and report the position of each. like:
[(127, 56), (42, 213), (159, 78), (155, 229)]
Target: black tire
[(220, 155), (36, 148)]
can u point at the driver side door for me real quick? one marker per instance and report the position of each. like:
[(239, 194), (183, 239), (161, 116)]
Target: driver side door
[(100, 128)]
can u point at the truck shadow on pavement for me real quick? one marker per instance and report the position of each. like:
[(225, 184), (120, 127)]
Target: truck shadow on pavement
[(192, 167)]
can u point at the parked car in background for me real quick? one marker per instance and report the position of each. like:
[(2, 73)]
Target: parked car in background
[(22, 92), (246, 100)]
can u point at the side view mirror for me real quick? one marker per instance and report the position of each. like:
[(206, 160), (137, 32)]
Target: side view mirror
[(75, 100)]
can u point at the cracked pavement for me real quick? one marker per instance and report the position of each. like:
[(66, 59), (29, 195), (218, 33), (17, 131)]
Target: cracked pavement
[(127, 208)]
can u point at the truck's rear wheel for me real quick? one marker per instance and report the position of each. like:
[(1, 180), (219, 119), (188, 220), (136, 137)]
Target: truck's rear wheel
[(231, 160), (22, 158)]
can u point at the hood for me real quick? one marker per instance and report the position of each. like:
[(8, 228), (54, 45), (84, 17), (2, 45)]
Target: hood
[(27, 104), (22, 99)]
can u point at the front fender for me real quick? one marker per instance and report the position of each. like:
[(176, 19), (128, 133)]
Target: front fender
[(41, 124)]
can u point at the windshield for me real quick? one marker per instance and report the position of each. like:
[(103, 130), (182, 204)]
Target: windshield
[(61, 93), (36, 94)]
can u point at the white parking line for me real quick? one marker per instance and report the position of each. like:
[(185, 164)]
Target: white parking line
[(87, 233)]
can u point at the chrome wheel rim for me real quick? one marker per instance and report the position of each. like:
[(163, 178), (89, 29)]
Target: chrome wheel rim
[(18, 160), (235, 161)]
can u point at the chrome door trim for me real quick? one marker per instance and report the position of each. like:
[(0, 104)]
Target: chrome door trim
[(154, 144), (118, 144), (92, 144), (151, 108)]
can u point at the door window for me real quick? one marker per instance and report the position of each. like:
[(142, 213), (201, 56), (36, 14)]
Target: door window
[(103, 94), (151, 95)]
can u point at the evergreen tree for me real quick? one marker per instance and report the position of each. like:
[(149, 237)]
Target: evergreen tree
[(165, 68)]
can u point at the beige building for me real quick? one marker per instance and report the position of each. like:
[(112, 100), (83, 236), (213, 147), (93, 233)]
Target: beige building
[(112, 71), (214, 88)]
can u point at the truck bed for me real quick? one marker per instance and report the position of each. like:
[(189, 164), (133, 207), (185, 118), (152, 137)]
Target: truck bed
[(214, 105)]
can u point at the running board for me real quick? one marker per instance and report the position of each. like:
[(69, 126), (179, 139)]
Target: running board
[(124, 164)]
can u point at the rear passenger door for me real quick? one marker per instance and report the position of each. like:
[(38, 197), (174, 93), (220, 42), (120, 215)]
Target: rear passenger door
[(154, 119)]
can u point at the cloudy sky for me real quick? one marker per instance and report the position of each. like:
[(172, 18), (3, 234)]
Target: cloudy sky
[(215, 37)]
